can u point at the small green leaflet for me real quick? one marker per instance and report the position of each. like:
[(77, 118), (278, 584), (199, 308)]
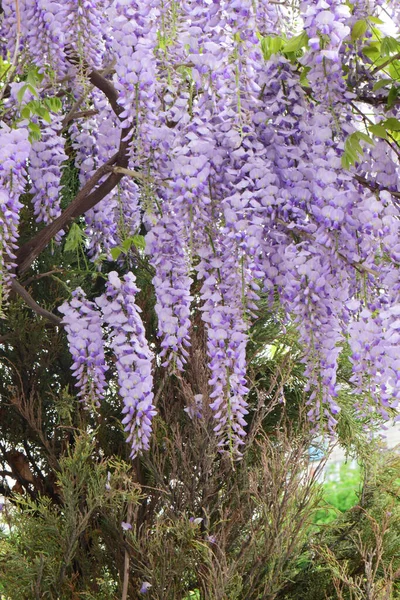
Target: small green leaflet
[(392, 96), (137, 240), (353, 149), (296, 43), (375, 20), (372, 51), (359, 29), (53, 104), (389, 45), (115, 252), (378, 131), (34, 131), (74, 239), (381, 83), (391, 123), (270, 45)]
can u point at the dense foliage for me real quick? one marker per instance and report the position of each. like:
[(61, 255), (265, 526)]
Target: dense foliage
[(199, 255)]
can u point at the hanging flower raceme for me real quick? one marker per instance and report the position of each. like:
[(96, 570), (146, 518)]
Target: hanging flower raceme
[(327, 26), (374, 335), (45, 169), (84, 26), (14, 152), (83, 324), (165, 244), (134, 42), (226, 343), (95, 143), (133, 358), (38, 27)]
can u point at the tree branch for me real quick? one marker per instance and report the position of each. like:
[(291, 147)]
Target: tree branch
[(25, 295), (86, 198), (375, 188), (83, 201), (386, 63)]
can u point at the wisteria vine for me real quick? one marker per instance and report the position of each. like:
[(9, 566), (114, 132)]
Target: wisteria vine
[(239, 160)]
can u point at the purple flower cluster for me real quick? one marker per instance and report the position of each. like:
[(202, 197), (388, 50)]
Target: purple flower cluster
[(84, 26), (374, 340), (83, 324), (133, 358), (241, 183), (134, 41), (49, 29), (326, 23), (45, 168), (14, 152), (95, 144), (165, 243), (226, 345)]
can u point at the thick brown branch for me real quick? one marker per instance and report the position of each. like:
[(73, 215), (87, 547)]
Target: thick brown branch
[(105, 86), (86, 198), (84, 201), (25, 295)]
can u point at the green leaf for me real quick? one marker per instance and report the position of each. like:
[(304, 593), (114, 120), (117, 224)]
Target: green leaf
[(392, 97), (115, 252), (346, 164), (54, 104), (34, 78), (46, 116), (363, 136), (296, 43), (394, 69), (139, 241), (33, 90), (380, 84), (359, 29), (271, 45), (74, 239), (126, 244), (372, 51), (353, 149), (34, 128), (389, 45), (303, 77), (26, 112), (378, 131), (375, 20), (21, 92), (391, 123)]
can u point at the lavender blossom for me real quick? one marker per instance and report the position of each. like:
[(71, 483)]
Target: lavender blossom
[(14, 151), (133, 358), (83, 324)]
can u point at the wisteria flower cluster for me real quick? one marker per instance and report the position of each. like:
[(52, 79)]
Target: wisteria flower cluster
[(14, 152), (133, 358), (83, 324), (229, 145), (45, 169)]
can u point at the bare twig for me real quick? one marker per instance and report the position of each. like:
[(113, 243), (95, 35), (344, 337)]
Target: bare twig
[(126, 561), (25, 295), (373, 188), (41, 276), (386, 63)]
